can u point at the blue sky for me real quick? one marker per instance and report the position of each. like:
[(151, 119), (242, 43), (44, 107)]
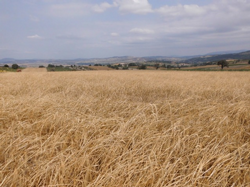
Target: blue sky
[(67, 29)]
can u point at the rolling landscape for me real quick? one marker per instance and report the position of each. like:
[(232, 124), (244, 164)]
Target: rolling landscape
[(124, 93), (236, 62), (129, 59)]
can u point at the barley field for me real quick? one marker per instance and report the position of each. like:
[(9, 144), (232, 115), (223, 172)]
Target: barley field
[(125, 128)]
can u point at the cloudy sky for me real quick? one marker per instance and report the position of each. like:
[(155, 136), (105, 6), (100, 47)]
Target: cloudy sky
[(67, 29)]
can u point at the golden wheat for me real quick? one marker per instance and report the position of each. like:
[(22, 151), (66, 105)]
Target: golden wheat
[(125, 128)]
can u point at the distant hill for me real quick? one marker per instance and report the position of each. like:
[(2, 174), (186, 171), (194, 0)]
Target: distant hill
[(211, 58), (128, 59), (225, 52), (7, 60)]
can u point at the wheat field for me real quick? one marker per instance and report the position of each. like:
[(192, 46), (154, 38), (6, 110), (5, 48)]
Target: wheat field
[(125, 128)]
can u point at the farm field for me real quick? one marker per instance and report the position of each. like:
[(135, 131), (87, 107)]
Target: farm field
[(125, 128), (34, 70), (100, 68), (234, 67)]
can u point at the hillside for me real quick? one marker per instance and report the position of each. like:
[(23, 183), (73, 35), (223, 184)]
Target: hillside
[(79, 61), (127, 59), (210, 58)]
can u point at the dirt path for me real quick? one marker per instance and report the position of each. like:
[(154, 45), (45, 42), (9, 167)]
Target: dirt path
[(34, 70)]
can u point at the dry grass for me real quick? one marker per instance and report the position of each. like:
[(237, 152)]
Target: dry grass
[(125, 128), (34, 70), (240, 67), (202, 67), (100, 68)]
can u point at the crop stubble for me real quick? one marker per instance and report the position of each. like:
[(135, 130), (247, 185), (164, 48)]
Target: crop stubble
[(125, 128)]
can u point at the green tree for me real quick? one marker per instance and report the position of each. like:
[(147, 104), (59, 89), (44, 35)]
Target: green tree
[(164, 65), (132, 64), (157, 66), (15, 66), (169, 66), (249, 62), (222, 63), (143, 66), (6, 66), (51, 66)]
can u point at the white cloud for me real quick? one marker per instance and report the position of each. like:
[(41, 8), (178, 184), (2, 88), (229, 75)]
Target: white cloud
[(224, 16), (34, 37), (102, 7), (69, 9), (141, 31), (134, 6), (188, 27), (182, 10), (138, 40), (114, 34), (76, 9)]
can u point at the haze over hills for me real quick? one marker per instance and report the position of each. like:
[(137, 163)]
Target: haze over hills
[(83, 61), (226, 52), (210, 58), (128, 59)]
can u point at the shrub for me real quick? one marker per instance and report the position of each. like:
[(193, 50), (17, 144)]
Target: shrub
[(132, 64), (15, 66), (169, 66), (51, 66), (157, 66), (142, 66)]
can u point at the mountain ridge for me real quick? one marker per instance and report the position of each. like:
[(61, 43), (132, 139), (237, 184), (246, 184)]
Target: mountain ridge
[(210, 58), (131, 59)]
